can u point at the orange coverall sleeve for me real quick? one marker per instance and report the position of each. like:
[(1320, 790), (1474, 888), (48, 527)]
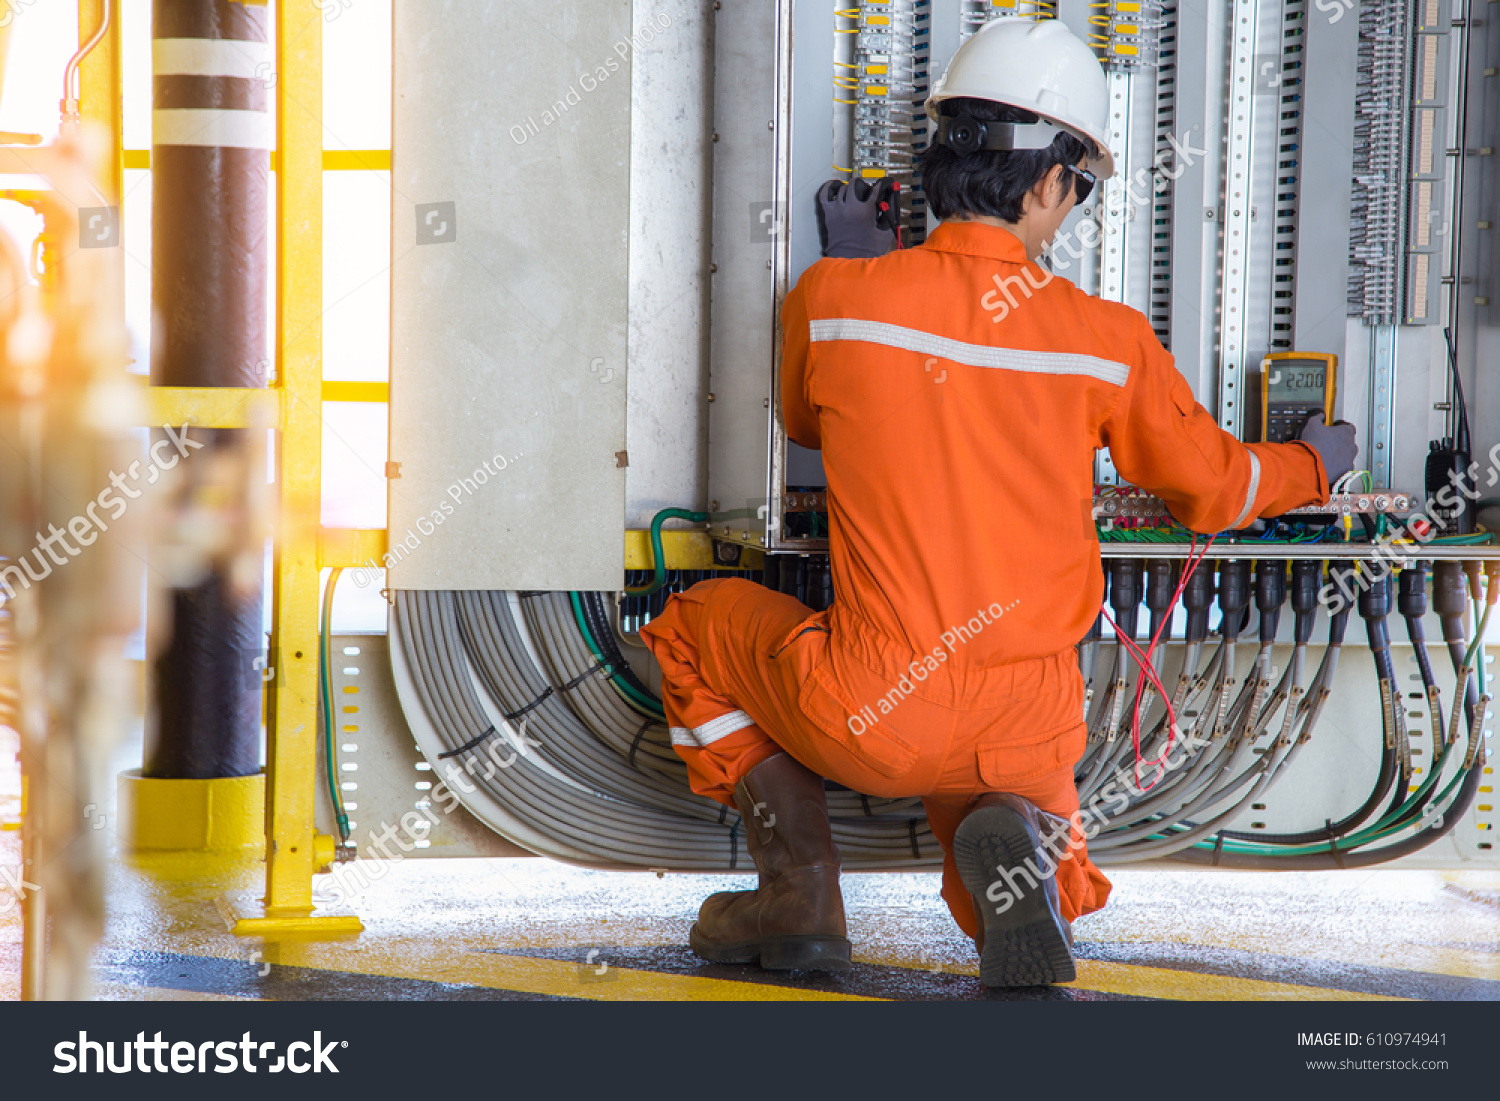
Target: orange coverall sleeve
[(796, 408), (1162, 440)]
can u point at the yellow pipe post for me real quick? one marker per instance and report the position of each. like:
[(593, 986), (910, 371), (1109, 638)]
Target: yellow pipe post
[(100, 102), (293, 853)]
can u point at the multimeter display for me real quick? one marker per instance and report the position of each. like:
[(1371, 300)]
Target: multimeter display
[(1295, 387), (1302, 385)]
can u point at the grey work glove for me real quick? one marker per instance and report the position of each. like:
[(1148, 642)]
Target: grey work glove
[(851, 221), (1333, 442)]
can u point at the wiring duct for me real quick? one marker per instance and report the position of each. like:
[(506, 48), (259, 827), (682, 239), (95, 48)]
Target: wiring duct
[(1246, 733), (526, 709)]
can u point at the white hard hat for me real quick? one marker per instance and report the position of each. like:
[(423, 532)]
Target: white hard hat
[(1039, 66)]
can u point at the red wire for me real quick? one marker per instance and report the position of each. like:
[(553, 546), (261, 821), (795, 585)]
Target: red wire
[(1148, 668)]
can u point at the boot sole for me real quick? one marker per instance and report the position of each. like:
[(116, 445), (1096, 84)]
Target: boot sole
[(786, 953), (1026, 944)]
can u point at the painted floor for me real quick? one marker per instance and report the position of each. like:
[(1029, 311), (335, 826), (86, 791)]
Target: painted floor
[(532, 929)]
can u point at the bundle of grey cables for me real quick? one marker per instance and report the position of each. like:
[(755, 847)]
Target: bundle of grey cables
[(584, 776)]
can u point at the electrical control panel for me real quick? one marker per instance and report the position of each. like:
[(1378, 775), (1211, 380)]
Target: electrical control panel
[(1287, 183), (1300, 211)]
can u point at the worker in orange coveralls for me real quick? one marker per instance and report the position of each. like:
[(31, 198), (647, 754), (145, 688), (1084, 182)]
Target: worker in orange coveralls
[(958, 392)]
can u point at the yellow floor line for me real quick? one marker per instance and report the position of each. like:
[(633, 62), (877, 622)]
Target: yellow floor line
[(1192, 986), (1162, 982), (405, 959)]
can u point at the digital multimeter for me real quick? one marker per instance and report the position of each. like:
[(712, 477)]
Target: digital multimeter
[(1294, 386)]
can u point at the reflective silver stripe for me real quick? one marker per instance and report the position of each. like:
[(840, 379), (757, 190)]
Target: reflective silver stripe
[(231, 57), (972, 355), (701, 737), (1253, 490), (212, 126)]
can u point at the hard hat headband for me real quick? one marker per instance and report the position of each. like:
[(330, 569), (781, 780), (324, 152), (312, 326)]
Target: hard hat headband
[(965, 134)]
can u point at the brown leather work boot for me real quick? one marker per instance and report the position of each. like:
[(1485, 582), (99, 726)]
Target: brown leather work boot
[(1007, 852), (795, 919)]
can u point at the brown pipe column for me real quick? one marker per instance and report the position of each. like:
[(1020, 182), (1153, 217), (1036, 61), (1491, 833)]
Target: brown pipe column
[(211, 131)]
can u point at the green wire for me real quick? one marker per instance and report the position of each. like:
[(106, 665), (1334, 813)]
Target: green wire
[(1393, 822), (1387, 826), (645, 704), (658, 556), (1476, 540), (1366, 836), (1477, 646), (325, 682)]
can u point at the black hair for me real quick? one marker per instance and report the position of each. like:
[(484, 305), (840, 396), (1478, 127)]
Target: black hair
[(990, 182)]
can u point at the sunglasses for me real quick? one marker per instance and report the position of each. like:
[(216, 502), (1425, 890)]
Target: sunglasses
[(1083, 182)]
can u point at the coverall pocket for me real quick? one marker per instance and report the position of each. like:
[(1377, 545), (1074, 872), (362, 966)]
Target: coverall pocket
[(876, 746), (811, 624), (1003, 763), (1198, 425)]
